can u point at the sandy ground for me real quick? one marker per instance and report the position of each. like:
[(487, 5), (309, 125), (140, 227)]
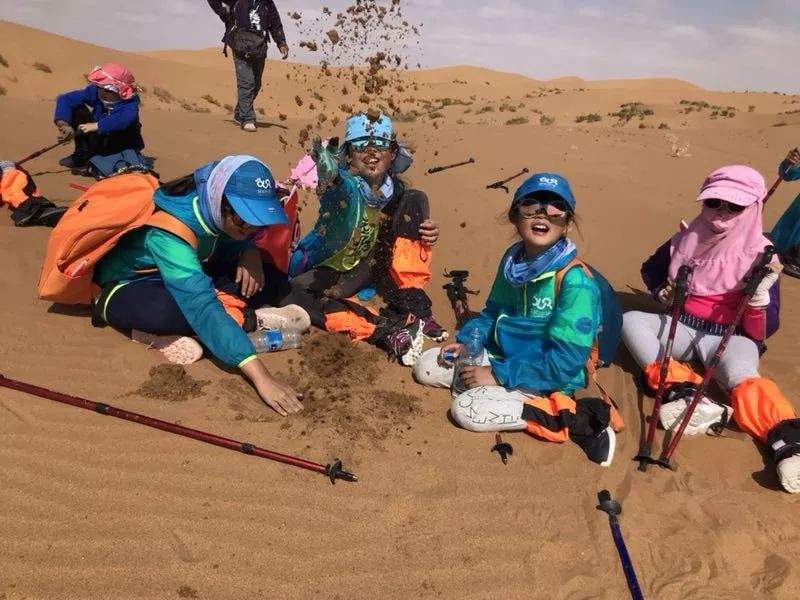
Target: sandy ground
[(93, 507)]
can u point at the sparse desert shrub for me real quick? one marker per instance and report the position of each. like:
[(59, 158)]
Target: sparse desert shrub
[(2, 91), (261, 111), (547, 120), (210, 99), (485, 109), (163, 95), (505, 107), (751, 108), (40, 66), (194, 108), (590, 118), (467, 111), (663, 126), (518, 121), (435, 115), (630, 110), (3, 61), (228, 107), (460, 122), (781, 124), (408, 117)]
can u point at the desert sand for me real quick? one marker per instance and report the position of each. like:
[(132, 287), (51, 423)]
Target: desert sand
[(93, 507)]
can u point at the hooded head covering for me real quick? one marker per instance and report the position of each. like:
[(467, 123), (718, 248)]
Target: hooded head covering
[(720, 246), (363, 126), (114, 77)]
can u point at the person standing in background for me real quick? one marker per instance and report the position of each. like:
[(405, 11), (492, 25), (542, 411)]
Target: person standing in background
[(249, 24)]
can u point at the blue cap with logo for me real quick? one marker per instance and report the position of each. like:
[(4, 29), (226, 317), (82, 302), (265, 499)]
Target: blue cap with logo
[(251, 193), (545, 182)]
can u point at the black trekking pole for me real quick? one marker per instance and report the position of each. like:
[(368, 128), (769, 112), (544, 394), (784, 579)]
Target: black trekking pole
[(501, 185), (504, 449), (457, 294), (613, 509), (333, 471), (678, 300), (760, 269), (433, 170), (42, 151)]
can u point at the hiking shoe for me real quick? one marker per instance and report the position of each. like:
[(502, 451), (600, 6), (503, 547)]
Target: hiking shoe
[(177, 349), (406, 343), (249, 126), (291, 316), (69, 162), (433, 331), (789, 474), (707, 414), (600, 448)]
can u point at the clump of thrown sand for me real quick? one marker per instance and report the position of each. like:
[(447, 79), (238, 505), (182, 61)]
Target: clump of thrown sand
[(171, 383), (338, 379)]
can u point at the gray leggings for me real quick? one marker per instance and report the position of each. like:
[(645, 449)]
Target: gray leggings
[(645, 335)]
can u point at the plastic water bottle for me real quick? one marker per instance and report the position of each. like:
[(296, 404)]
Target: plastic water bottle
[(471, 355), (275, 340)]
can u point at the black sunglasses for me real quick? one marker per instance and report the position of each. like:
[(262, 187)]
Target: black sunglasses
[(717, 204)]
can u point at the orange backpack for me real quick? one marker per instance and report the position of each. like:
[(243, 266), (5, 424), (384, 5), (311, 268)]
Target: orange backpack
[(92, 226)]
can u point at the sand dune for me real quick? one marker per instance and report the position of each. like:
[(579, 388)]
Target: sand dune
[(97, 508)]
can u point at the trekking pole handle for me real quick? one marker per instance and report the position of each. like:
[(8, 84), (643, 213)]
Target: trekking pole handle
[(759, 271), (682, 283)]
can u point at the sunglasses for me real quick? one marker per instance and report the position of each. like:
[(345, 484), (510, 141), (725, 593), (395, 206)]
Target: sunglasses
[(378, 143), (554, 209), (717, 204)]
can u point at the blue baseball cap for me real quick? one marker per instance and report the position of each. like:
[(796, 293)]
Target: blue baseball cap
[(251, 193), (545, 182)]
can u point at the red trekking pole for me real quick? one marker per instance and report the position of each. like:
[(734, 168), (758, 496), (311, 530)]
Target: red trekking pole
[(759, 271), (773, 188), (681, 289), (333, 471)]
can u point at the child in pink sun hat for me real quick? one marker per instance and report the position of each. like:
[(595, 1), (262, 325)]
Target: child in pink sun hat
[(721, 245), (103, 117)]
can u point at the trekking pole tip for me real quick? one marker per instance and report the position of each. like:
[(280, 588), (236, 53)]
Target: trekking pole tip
[(334, 471)]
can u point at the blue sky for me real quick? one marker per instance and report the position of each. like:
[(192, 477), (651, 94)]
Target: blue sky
[(733, 44)]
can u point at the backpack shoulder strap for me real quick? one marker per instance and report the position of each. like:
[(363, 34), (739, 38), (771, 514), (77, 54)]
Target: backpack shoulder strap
[(563, 271), (164, 220)]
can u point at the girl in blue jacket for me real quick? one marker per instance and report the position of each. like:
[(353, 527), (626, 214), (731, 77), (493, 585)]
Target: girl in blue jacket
[(537, 339), (105, 114), (161, 289)]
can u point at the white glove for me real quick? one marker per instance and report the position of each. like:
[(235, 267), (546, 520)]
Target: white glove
[(761, 298)]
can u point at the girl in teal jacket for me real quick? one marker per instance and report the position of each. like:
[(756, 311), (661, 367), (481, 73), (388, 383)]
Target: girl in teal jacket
[(786, 234), (162, 290), (536, 339)]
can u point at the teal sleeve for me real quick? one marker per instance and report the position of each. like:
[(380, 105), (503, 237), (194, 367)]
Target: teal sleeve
[(788, 174), (194, 293), (568, 343)]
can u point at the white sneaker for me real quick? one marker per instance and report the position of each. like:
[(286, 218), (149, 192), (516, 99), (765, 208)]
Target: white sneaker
[(706, 414), (789, 474), (249, 126), (177, 349), (290, 316)]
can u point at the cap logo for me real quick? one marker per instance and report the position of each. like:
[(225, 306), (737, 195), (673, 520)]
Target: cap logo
[(551, 181), (264, 184)]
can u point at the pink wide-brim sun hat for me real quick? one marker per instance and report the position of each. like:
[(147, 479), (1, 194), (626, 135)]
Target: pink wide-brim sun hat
[(737, 184)]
